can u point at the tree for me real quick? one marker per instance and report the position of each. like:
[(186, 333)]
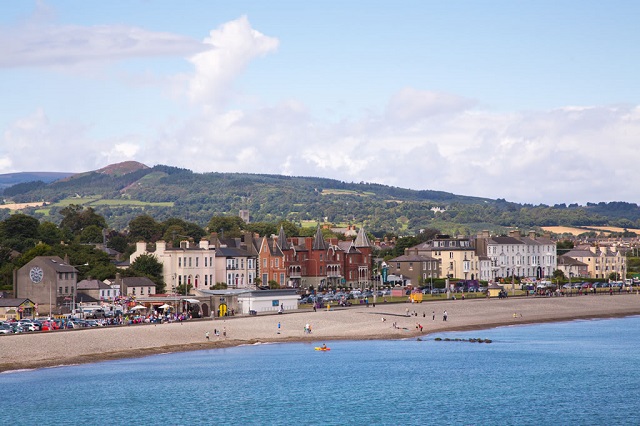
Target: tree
[(273, 284), (117, 243), (49, 233), (76, 218), (231, 226), (147, 265), (558, 274), (144, 228), (91, 234)]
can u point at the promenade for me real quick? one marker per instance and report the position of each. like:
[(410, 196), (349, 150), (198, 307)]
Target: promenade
[(45, 349)]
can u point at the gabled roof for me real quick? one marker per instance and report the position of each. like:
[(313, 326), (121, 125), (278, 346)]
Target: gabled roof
[(56, 263), (92, 285), (7, 302)]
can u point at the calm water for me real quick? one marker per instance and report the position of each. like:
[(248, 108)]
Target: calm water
[(583, 373)]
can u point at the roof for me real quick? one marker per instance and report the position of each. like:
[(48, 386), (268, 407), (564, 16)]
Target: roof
[(505, 240), (85, 298), (138, 282), (6, 302), (92, 285), (362, 240), (282, 239), (412, 258), (232, 252), (56, 263), (318, 241)]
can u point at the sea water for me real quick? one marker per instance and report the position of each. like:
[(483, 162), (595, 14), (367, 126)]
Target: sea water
[(580, 372)]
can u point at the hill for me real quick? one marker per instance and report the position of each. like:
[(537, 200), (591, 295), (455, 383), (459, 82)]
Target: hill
[(9, 179), (123, 191)]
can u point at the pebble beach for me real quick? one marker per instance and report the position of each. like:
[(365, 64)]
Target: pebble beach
[(383, 321)]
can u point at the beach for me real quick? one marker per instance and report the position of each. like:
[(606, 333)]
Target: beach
[(384, 321)]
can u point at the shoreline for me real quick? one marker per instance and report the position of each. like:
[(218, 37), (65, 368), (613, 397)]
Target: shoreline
[(56, 349)]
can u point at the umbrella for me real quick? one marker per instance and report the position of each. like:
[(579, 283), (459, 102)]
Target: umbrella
[(138, 307), (165, 306)]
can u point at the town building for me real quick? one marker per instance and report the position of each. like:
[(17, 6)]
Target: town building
[(531, 256), (601, 262), (272, 261), (456, 256), (415, 269), (17, 308), (49, 282), (189, 264), (313, 262)]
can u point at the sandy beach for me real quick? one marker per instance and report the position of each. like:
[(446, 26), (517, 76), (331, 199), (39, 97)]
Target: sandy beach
[(46, 349)]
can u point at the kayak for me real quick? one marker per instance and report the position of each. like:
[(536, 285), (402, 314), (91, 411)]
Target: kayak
[(318, 348)]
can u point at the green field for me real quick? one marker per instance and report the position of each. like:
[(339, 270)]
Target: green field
[(96, 201)]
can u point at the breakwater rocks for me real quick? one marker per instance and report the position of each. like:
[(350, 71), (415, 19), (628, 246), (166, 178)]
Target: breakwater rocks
[(446, 339)]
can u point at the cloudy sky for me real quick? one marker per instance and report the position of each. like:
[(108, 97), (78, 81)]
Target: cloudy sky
[(531, 101)]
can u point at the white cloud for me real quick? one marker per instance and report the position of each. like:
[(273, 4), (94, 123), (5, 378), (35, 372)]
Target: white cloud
[(39, 42), (35, 143), (231, 48)]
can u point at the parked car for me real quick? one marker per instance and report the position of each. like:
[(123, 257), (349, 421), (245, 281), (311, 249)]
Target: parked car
[(6, 329)]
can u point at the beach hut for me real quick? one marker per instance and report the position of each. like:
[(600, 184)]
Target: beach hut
[(494, 290)]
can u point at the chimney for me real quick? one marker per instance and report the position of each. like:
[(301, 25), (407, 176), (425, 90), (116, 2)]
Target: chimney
[(532, 235)]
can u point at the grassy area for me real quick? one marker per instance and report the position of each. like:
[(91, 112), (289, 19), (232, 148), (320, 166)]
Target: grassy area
[(346, 192), (135, 203)]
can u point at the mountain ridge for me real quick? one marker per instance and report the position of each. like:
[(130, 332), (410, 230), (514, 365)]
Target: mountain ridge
[(121, 191)]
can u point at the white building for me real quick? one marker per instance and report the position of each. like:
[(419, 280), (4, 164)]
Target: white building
[(188, 264), (514, 255)]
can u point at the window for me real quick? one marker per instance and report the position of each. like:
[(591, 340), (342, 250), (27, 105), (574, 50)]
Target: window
[(196, 262), (277, 263), (264, 262), (189, 262), (179, 262), (60, 290), (205, 262)]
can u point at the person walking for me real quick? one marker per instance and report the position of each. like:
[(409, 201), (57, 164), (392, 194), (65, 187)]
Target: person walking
[(434, 315), (206, 335), (278, 327), (444, 316)]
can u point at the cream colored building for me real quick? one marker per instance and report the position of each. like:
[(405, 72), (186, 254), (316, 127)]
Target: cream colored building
[(456, 256), (188, 264), (601, 261)]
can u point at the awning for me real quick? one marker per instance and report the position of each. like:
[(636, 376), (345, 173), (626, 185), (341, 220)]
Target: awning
[(191, 300)]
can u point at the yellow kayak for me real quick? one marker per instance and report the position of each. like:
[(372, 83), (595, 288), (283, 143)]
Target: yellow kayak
[(318, 348)]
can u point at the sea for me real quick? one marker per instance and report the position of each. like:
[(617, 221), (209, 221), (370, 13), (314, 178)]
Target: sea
[(584, 372)]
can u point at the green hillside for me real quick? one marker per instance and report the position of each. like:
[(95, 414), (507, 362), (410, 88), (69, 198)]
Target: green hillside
[(120, 194)]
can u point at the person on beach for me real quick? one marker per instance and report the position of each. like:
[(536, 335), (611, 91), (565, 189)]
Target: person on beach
[(444, 316), (278, 327), (224, 332), (434, 315), (206, 335)]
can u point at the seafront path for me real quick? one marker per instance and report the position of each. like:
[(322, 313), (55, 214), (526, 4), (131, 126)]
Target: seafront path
[(384, 321)]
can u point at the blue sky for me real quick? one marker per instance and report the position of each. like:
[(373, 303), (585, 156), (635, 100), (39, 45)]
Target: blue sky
[(534, 102)]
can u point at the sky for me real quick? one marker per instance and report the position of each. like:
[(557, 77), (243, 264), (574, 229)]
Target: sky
[(535, 102)]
